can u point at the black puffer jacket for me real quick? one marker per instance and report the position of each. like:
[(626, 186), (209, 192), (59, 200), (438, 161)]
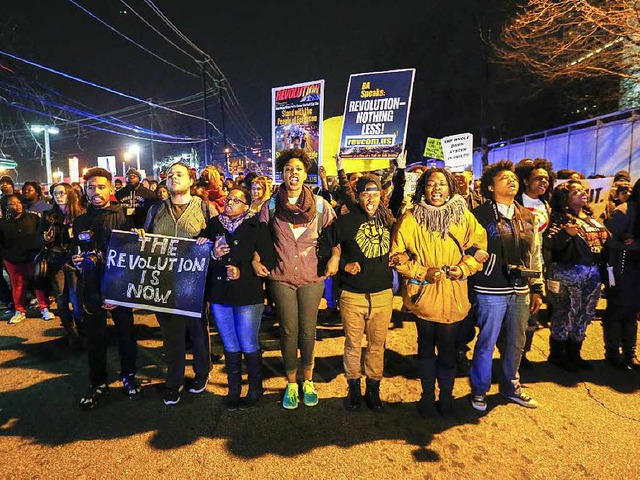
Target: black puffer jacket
[(19, 241)]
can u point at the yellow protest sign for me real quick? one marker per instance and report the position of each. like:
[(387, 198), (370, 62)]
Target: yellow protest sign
[(331, 130), (433, 149)]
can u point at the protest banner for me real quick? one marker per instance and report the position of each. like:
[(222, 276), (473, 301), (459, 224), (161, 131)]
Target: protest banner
[(598, 191), (157, 273), (433, 149), (376, 114), (458, 152), (411, 180), (297, 122)]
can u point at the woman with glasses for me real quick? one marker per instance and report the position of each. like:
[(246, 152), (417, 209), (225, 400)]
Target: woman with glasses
[(56, 235), (428, 250), (573, 249), (236, 291)]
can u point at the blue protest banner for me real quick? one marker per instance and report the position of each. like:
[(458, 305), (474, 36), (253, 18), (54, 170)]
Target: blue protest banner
[(157, 273), (376, 114)]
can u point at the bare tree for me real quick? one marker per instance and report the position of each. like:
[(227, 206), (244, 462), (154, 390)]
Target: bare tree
[(573, 39)]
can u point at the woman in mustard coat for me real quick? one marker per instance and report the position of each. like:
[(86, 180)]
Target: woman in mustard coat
[(429, 250)]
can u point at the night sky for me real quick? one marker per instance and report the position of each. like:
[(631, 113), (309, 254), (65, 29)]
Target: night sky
[(257, 46)]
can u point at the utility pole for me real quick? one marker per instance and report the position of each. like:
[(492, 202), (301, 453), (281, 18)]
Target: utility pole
[(153, 143), (204, 107), (224, 131)]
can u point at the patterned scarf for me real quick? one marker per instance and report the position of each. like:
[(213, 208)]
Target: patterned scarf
[(230, 224), (300, 213), (438, 219)]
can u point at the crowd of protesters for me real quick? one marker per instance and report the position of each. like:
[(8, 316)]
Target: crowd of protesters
[(471, 259)]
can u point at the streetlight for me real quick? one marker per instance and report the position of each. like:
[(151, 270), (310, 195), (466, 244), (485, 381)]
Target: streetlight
[(47, 129), (125, 158), (135, 150)]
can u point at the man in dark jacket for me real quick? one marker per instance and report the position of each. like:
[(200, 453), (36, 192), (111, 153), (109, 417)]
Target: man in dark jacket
[(135, 199), (509, 288), (91, 232)]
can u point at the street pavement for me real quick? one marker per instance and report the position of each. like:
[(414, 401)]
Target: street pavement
[(587, 425)]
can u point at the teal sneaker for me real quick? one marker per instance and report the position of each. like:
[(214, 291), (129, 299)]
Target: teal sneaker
[(309, 394), (290, 400)]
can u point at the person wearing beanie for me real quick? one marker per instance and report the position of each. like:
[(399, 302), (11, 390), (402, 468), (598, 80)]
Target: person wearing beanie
[(7, 186), (135, 199), (622, 175), (366, 301)]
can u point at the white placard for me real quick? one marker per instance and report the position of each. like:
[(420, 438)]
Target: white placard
[(458, 151)]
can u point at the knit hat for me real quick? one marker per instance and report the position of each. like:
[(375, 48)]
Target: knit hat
[(7, 179), (133, 171), (622, 175), (364, 180)]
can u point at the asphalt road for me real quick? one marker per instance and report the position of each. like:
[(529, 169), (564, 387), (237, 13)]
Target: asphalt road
[(587, 425)]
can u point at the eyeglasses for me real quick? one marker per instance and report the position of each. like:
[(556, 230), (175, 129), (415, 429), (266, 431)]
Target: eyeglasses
[(59, 194), (233, 201), (623, 189), (439, 184)]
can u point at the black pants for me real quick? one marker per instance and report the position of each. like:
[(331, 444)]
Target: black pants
[(95, 324), (174, 330), (442, 337), (5, 292), (620, 323)]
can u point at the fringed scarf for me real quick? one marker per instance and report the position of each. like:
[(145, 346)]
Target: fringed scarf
[(438, 219), (230, 224), (300, 213)]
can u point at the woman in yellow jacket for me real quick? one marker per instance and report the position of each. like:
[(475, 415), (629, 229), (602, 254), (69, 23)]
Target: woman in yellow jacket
[(428, 250)]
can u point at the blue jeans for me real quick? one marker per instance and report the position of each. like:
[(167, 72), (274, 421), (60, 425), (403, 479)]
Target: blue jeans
[(494, 311), (238, 326)]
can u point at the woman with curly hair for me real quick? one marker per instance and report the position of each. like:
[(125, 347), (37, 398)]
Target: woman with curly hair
[(573, 248), (428, 250), (55, 234), (296, 217)]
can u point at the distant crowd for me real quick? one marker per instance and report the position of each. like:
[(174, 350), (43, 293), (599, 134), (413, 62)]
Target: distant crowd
[(472, 259)]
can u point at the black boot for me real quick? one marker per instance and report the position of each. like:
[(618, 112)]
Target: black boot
[(574, 358), (446, 378), (232, 361), (354, 398), (629, 340), (558, 354), (253, 362), (629, 358), (614, 357), (372, 395), (525, 363), (427, 374)]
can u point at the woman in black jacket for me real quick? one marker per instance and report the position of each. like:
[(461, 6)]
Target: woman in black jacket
[(56, 234), (236, 291), (19, 245), (620, 325), (573, 248)]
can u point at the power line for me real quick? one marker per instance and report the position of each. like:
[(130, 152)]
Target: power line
[(131, 40), (101, 87)]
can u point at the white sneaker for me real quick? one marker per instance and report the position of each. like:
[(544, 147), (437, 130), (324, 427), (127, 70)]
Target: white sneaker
[(17, 318), (46, 314), (523, 399)]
